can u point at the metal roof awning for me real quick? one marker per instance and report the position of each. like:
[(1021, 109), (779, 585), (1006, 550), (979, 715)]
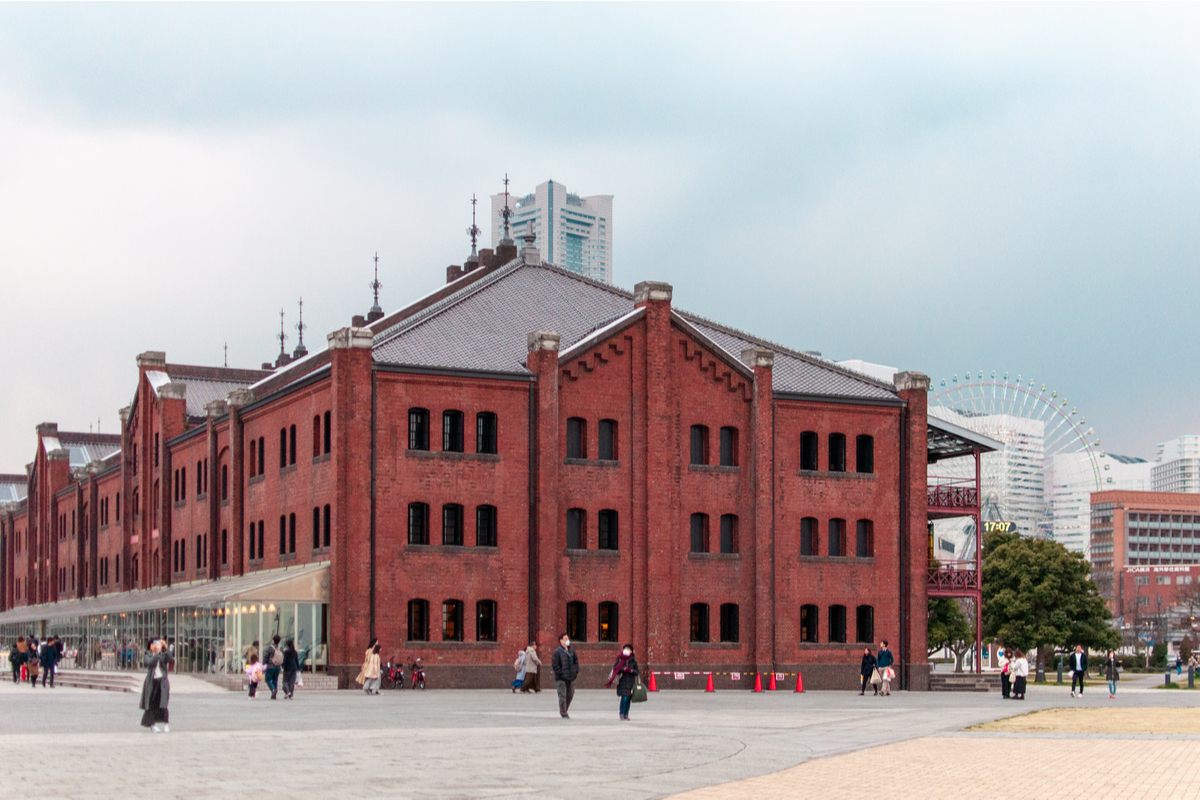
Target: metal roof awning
[(307, 584), (947, 440)]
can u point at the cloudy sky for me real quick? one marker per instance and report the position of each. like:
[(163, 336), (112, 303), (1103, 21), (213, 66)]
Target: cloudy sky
[(939, 187)]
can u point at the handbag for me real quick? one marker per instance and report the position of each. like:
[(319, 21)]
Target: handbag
[(640, 695), (876, 679)]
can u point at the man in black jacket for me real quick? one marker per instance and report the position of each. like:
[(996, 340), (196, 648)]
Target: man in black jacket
[(1078, 669), (566, 668), (49, 660)]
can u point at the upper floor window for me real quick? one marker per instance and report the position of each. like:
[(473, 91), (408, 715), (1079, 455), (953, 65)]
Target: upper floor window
[(485, 621), (607, 444), (864, 538), (699, 445), (485, 526), (699, 533), (729, 533), (485, 432), (864, 624), (452, 527), (183, 483), (200, 477), (283, 448), (327, 435), (837, 452), (809, 444), (837, 624), (729, 622), (452, 620), (452, 431), (837, 537), (865, 455), (291, 445), (808, 624), (224, 482), (577, 438), (729, 447), (608, 630), (699, 622), (262, 454), (253, 457), (418, 429), (316, 435), (607, 529), (808, 537), (325, 534), (576, 529), (156, 449), (577, 620), (418, 523)]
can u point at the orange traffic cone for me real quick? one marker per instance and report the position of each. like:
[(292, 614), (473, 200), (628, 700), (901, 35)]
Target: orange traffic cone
[(710, 687), (799, 681), (771, 684), (758, 681), (652, 685)]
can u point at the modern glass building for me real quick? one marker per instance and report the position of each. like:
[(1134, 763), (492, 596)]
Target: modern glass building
[(572, 232)]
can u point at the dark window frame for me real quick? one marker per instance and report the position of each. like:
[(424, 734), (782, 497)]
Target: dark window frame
[(729, 446), (810, 623), (452, 431), (418, 620), (837, 624), (487, 629), (452, 525), (864, 538), (577, 443), (485, 526), (418, 429), (836, 537), (418, 523), (810, 447), (864, 454), (606, 440), (487, 432), (729, 534), (864, 624), (452, 620), (576, 529), (698, 623), (698, 532), (577, 620), (608, 621), (810, 536), (698, 446), (730, 623), (608, 530), (837, 452)]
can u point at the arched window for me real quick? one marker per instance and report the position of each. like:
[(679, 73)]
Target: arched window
[(485, 432), (291, 445), (865, 452), (808, 451), (729, 622), (607, 530), (253, 457), (607, 444), (729, 533), (864, 538), (418, 620), (224, 547), (576, 529), (609, 630), (865, 624), (485, 621), (224, 485), (418, 523), (699, 622), (837, 452), (837, 624), (577, 620), (452, 619), (485, 526), (452, 431), (699, 455), (808, 624), (837, 537), (418, 429), (729, 447), (452, 525), (809, 544), (262, 455), (577, 444), (699, 533)]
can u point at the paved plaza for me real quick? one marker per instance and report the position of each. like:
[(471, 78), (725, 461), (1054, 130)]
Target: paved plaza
[(493, 744)]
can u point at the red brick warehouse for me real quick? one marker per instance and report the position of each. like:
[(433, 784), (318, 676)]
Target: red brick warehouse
[(522, 452)]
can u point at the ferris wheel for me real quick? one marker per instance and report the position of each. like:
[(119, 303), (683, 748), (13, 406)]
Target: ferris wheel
[(1051, 461)]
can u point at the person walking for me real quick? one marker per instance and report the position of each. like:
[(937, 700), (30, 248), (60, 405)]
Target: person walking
[(272, 665), (519, 666), (48, 659), (1178, 664), (254, 675), (532, 676), (565, 665), (1079, 664), (291, 669), (1020, 675), (16, 657), (249, 650), (1005, 677), (867, 672), (1111, 673), (369, 676), (884, 662), (625, 673), (32, 660), (156, 690)]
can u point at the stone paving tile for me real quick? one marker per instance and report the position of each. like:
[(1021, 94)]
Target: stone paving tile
[(1097, 769)]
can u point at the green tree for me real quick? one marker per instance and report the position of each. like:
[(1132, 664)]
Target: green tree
[(949, 628), (1038, 593)]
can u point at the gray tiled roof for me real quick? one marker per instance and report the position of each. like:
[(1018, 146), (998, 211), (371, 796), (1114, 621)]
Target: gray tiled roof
[(484, 327), (205, 384)]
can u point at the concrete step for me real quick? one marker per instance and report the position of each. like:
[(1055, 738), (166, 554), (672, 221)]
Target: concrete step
[(964, 682), (104, 681), (235, 683)]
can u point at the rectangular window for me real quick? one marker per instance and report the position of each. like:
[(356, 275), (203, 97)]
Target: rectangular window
[(418, 429), (262, 540), (282, 534), (199, 552), (837, 538), (577, 621), (699, 533), (316, 435), (418, 620), (729, 447), (485, 621), (283, 448), (224, 482), (699, 455), (729, 622), (199, 477), (326, 533), (291, 534), (485, 526), (808, 537), (808, 451), (576, 529), (316, 529), (837, 624), (607, 446), (418, 523), (865, 624), (699, 622), (607, 530), (291, 445), (452, 431), (224, 547), (837, 452), (452, 616), (262, 455), (485, 432), (576, 437), (609, 618), (452, 533), (729, 533), (865, 447), (327, 432), (808, 624), (118, 514), (864, 538)]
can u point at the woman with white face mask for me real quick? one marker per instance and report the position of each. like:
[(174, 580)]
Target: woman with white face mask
[(625, 673)]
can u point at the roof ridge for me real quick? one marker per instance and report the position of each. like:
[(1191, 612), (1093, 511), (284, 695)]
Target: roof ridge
[(89, 438), (216, 373)]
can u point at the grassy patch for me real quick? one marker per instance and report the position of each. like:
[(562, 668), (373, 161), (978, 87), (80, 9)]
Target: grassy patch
[(1098, 720)]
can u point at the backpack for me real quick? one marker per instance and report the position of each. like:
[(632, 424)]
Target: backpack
[(276, 657)]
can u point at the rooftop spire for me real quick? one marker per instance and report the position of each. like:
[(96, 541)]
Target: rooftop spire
[(301, 351), (506, 213), (376, 312), (283, 357), (473, 231)]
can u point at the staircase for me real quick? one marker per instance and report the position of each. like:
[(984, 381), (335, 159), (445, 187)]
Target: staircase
[(319, 682), (106, 681), (964, 682)]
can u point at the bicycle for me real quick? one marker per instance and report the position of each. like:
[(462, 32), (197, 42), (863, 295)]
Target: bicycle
[(393, 677), (418, 675)]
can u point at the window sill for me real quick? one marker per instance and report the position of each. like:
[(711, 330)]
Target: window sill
[(256, 479), (592, 462), (287, 470), (287, 557), (320, 551), (454, 549), (321, 458), (714, 556), (833, 646), (452, 456), (419, 645), (225, 502), (589, 646), (837, 476), (179, 504), (713, 468), (202, 497), (581, 553), (715, 645), (837, 560), (255, 562)]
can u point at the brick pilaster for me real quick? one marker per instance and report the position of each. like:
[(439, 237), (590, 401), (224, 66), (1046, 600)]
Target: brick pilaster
[(761, 540), (913, 388), (546, 553)]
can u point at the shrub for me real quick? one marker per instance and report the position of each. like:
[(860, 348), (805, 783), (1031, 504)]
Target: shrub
[(1159, 659)]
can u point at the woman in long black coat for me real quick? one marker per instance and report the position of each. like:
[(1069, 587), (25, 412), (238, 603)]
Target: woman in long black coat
[(156, 691), (867, 670), (625, 673)]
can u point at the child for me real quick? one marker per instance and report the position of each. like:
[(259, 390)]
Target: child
[(254, 673)]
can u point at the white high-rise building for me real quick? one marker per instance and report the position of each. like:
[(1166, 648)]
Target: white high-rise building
[(1070, 480), (572, 232), (1177, 465)]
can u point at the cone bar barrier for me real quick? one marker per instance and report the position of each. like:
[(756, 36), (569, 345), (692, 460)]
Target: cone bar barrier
[(771, 685), (799, 681), (758, 681), (652, 686), (710, 687)]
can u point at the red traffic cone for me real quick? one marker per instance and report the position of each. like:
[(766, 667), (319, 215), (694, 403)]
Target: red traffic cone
[(758, 681), (652, 685), (710, 687), (799, 681), (771, 684)]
